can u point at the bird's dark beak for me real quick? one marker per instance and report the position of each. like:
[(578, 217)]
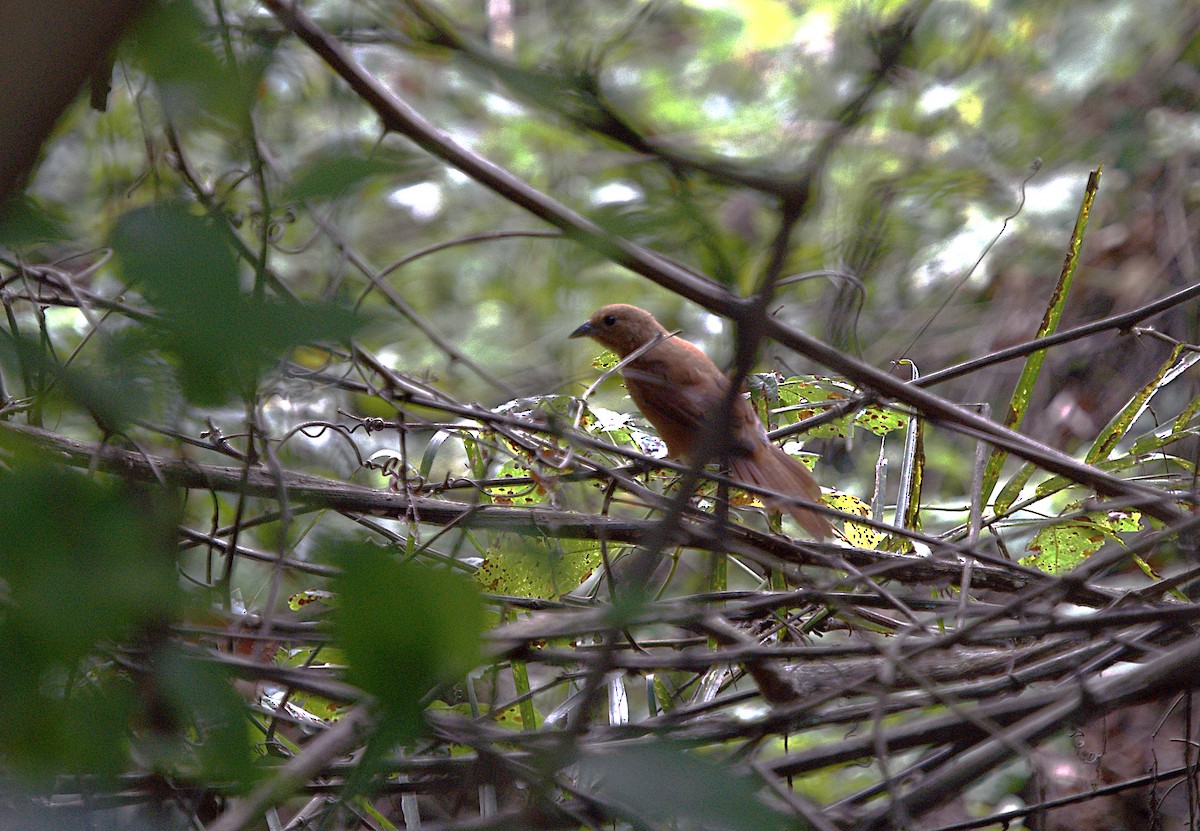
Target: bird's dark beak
[(586, 330)]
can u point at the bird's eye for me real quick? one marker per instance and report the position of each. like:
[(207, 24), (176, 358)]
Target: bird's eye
[(610, 320)]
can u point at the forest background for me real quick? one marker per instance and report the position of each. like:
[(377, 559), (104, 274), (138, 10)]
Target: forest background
[(302, 475)]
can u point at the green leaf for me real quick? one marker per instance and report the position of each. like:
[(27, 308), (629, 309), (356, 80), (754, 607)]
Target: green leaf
[(201, 724), (316, 706), (800, 397), (860, 536), (1012, 489), (764, 395), (183, 262), (1187, 414), (404, 629), (645, 783), (26, 221), (518, 493), (220, 337), (544, 568), (523, 716), (605, 361), (1116, 429), (45, 735), (308, 597), (1120, 463), (1063, 545), (1033, 364), (338, 171), (880, 420), (540, 408), (172, 43), (82, 565)]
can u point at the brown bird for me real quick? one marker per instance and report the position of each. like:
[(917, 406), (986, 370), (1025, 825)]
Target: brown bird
[(677, 387)]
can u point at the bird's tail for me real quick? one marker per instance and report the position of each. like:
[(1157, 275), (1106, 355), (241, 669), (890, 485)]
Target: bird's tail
[(769, 467)]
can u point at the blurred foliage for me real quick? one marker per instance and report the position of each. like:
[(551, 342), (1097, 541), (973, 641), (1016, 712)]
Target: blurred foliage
[(185, 268), (90, 586), (404, 630), (1061, 546), (234, 263), (690, 790)]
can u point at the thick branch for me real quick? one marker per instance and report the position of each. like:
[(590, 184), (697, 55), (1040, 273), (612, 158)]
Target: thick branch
[(319, 492), (51, 47)]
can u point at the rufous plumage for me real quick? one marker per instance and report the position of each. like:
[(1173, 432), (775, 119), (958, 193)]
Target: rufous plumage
[(677, 388)]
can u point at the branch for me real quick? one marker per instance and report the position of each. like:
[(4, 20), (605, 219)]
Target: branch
[(1177, 669), (319, 492), (334, 741)]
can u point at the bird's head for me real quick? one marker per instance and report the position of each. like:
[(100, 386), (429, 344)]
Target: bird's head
[(621, 328)]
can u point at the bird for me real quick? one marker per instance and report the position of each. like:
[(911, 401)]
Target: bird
[(677, 387)]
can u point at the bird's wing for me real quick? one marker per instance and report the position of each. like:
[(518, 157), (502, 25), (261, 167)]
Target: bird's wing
[(677, 389), (683, 394)]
